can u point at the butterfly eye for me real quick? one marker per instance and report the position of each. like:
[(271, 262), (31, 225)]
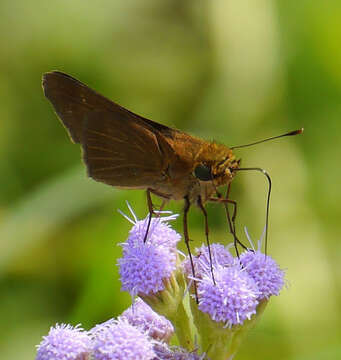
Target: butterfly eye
[(203, 173)]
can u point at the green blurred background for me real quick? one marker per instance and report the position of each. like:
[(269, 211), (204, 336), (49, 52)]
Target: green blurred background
[(234, 71)]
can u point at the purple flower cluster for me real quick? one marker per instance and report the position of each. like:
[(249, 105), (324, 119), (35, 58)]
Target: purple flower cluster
[(160, 232), (232, 299), (202, 265), (121, 341), (65, 342), (264, 271), (143, 317), (145, 265), (239, 285), (138, 334)]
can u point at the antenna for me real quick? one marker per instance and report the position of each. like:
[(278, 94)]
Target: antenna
[(291, 133)]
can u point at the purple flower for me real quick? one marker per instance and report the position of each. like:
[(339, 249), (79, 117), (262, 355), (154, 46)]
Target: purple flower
[(232, 299), (65, 342), (119, 340), (143, 317), (220, 256), (145, 265), (99, 327), (265, 272), (143, 268), (160, 233)]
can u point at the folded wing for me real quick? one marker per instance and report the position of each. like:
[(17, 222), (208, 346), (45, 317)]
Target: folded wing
[(120, 148)]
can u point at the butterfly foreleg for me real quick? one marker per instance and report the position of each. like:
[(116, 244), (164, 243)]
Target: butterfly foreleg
[(202, 208)]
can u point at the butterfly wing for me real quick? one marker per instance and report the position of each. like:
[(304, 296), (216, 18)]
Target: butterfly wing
[(120, 148)]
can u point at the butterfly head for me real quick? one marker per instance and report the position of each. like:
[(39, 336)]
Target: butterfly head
[(216, 164)]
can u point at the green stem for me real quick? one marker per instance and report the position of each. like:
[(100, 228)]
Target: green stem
[(217, 341), (241, 331), (169, 303), (182, 327), (214, 337)]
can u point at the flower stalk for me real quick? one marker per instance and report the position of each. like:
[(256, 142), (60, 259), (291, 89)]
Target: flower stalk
[(214, 337), (169, 303), (240, 332)]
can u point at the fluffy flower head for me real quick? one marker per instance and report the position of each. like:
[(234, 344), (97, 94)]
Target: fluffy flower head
[(143, 317), (145, 265), (119, 340), (232, 299), (159, 234), (220, 256), (265, 272), (65, 342)]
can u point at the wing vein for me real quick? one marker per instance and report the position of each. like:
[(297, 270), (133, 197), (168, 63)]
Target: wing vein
[(102, 149), (106, 136)]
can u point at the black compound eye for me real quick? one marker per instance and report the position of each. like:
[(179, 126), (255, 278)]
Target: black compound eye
[(203, 172)]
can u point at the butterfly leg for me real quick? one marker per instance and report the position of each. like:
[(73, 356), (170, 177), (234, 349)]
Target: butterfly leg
[(202, 208), (185, 223), (151, 210), (232, 224), (231, 221)]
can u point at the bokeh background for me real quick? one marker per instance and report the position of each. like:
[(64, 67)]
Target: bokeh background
[(229, 70)]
